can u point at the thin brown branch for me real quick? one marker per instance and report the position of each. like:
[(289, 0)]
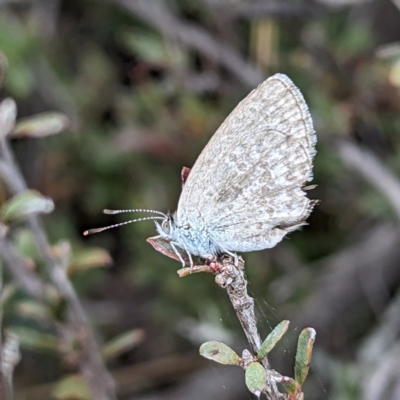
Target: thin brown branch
[(261, 8), (91, 363), (134, 378), (367, 270), (156, 14), (367, 164), (47, 14), (3, 384), (48, 85), (343, 3), (382, 381), (10, 357), (384, 337), (396, 3), (20, 272), (379, 356), (231, 277)]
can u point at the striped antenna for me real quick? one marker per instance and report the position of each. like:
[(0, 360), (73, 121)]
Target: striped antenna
[(97, 230), (134, 210)]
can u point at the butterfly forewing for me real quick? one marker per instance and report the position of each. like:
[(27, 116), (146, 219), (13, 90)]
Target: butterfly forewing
[(248, 179)]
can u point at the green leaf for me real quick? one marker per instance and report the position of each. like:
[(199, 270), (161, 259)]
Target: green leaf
[(8, 113), (256, 378), (24, 204), (148, 47), (272, 339), (290, 385), (41, 125), (122, 344), (7, 293), (32, 339), (87, 259), (20, 44), (72, 387), (32, 309), (219, 352), (303, 354), (25, 243)]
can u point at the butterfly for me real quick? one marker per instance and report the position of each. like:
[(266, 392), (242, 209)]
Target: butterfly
[(247, 189)]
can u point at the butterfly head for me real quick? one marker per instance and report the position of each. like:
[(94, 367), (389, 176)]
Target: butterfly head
[(167, 227)]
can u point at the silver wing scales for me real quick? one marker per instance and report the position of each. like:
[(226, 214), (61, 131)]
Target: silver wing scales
[(245, 188)]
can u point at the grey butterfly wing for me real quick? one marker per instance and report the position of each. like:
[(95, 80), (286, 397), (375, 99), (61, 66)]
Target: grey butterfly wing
[(245, 189)]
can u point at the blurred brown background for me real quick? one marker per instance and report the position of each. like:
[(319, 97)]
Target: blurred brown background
[(145, 84)]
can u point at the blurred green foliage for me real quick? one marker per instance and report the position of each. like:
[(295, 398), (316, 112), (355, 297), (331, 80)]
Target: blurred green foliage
[(141, 105)]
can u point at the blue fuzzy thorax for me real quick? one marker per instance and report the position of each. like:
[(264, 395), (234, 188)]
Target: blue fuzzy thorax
[(195, 241)]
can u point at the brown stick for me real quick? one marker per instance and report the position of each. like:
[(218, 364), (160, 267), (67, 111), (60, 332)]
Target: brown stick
[(162, 19), (232, 278), (90, 363), (373, 170)]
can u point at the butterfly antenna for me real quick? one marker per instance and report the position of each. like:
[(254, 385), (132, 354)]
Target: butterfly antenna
[(97, 230), (106, 211)]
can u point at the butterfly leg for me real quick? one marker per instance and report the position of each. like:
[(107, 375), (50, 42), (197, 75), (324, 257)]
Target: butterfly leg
[(177, 253), (235, 257), (190, 258)]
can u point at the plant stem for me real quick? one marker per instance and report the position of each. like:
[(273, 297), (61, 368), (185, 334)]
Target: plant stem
[(231, 277), (91, 364)]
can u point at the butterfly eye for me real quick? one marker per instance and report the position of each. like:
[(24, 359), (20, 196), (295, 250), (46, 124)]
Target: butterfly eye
[(166, 226)]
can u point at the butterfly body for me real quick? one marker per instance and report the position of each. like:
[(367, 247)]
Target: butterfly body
[(196, 241)]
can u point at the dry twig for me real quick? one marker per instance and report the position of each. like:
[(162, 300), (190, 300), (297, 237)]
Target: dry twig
[(373, 170), (368, 270), (232, 278), (379, 357), (90, 363), (260, 8), (161, 18)]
